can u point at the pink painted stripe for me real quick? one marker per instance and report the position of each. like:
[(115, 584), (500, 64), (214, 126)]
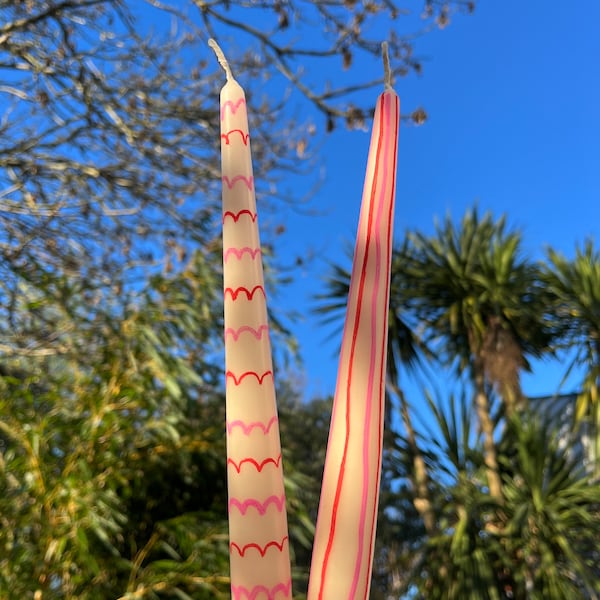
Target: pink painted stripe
[(232, 107), (239, 252), (261, 507), (249, 181), (236, 333), (247, 428), (239, 591)]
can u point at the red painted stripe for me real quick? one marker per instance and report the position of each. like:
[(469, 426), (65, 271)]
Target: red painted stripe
[(238, 380), (236, 216), (261, 549), (244, 136), (259, 466), (234, 293)]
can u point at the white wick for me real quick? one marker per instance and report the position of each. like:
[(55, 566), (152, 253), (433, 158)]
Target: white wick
[(387, 72), (221, 58)]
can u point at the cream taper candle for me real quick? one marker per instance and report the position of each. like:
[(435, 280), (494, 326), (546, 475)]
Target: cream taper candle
[(258, 533), (343, 549)]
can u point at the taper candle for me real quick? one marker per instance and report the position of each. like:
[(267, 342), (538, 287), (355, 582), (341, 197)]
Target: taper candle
[(258, 533), (345, 533)]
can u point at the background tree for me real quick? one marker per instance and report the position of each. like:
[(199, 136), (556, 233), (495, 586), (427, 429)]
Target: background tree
[(575, 288), (475, 295), (544, 547)]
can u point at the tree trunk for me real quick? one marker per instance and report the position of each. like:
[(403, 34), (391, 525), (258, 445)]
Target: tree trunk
[(420, 479), (487, 428), (501, 361)]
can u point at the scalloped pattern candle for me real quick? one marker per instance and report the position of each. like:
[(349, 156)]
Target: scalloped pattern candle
[(259, 549)]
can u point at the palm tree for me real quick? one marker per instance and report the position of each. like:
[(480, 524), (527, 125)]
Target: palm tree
[(478, 299), (551, 531), (464, 559), (546, 546), (575, 287)]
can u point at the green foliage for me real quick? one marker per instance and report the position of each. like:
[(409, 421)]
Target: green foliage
[(112, 470), (551, 514), (460, 560), (539, 542), (106, 455), (472, 282), (304, 428), (574, 286)]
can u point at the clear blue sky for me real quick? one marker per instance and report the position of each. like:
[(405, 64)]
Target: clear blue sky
[(513, 97)]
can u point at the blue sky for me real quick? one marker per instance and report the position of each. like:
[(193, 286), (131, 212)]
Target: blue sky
[(512, 94)]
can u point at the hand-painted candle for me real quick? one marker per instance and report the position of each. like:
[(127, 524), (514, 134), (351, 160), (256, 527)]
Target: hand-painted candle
[(259, 550), (343, 549)]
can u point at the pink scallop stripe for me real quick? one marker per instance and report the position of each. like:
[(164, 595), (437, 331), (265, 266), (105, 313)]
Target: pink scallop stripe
[(247, 428), (239, 252), (249, 181), (236, 333), (232, 107), (239, 591), (261, 507)]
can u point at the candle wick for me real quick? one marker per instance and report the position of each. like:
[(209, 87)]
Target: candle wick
[(221, 58), (387, 72)]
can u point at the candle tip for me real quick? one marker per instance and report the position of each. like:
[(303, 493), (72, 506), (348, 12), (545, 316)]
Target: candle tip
[(387, 71), (221, 58)]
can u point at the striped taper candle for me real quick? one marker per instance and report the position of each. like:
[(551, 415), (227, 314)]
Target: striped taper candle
[(258, 532), (345, 534)]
